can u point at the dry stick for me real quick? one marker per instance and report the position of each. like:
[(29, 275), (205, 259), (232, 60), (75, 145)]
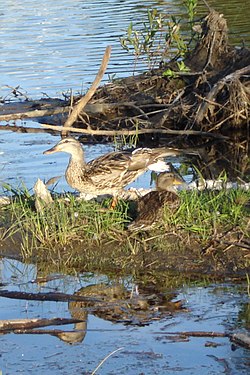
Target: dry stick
[(101, 363), (60, 109), (134, 132), (217, 87), (83, 101)]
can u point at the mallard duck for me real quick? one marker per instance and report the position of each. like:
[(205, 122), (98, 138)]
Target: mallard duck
[(109, 173), (150, 207)]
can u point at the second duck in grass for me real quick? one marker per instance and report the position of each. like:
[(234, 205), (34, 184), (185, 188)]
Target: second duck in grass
[(109, 173), (151, 206)]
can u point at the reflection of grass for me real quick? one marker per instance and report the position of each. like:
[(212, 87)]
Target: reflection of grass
[(71, 232)]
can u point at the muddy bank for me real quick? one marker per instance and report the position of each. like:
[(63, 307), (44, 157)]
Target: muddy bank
[(227, 255)]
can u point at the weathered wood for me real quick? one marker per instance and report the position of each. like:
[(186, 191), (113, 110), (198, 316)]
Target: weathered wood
[(210, 98), (135, 132), (83, 101), (15, 111)]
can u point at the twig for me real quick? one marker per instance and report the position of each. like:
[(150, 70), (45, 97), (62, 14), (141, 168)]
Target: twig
[(230, 243), (134, 132), (84, 100), (101, 363), (216, 88)]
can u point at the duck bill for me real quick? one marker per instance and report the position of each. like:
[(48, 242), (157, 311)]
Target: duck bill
[(177, 181), (51, 151)]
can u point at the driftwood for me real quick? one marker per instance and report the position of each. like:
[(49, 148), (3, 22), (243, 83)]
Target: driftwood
[(50, 107), (114, 133), (78, 108)]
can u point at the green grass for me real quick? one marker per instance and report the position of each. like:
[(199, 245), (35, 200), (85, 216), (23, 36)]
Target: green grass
[(206, 213), (72, 232), (65, 221)]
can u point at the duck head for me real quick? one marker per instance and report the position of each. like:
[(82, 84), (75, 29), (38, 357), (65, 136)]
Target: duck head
[(69, 145), (167, 181)]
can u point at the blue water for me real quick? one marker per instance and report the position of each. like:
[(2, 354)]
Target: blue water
[(144, 350)]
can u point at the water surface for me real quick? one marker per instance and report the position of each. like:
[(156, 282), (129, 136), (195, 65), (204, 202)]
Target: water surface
[(145, 350)]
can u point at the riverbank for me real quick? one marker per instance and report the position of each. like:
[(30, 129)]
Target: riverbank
[(208, 234)]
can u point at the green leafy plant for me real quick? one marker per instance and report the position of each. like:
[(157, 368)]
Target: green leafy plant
[(191, 8), (159, 37), (145, 41)]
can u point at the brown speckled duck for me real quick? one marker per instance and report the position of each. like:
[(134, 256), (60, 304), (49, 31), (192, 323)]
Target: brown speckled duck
[(109, 173), (151, 206)]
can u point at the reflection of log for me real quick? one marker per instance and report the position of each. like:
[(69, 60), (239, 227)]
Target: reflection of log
[(241, 339), (62, 297), (23, 324)]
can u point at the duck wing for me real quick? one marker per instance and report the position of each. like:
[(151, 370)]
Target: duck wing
[(138, 159), (119, 168), (112, 170)]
